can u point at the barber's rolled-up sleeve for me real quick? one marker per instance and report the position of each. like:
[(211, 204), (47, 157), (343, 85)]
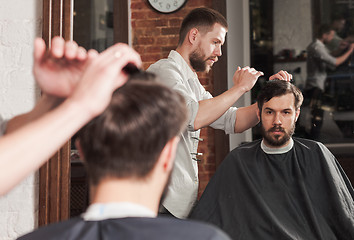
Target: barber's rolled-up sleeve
[(172, 77), (226, 122), (191, 101)]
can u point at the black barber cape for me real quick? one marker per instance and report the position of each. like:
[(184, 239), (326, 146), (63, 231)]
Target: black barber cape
[(301, 194), (131, 228)]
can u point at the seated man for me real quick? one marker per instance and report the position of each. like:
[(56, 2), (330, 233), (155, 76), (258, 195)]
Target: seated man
[(129, 152), (279, 187)]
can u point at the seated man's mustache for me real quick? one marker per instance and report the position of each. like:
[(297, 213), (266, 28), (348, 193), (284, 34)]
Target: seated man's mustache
[(276, 129)]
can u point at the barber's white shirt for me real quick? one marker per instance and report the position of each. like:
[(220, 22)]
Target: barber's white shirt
[(183, 188), (100, 211)]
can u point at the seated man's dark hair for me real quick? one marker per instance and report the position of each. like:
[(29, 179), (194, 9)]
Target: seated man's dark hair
[(128, 137), (278, 88)]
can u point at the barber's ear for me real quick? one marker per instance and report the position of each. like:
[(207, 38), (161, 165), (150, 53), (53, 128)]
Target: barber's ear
[(193, 35), (259, 114)]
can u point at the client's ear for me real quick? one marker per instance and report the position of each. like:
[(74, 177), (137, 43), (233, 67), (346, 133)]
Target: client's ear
[(168, 154), (297, 114)]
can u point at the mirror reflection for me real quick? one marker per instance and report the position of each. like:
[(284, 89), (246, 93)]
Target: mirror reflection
[(286, 41), (93, 29)]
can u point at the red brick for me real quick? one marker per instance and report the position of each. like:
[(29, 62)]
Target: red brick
[(138, 5), (144, 23), (154, 14), (176, 22), (139, 32), (168, 48), (203, 177), (153, 49), (140, 49), (150, 57), (153, 32), (146, 40), (170, 31), (173, 40), (162, 40), (139, 15)]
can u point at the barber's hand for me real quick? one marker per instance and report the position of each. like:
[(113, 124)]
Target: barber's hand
[(58, 70), (351, 47), (344, 45), (246, 77), (282, 75), (103, 75)]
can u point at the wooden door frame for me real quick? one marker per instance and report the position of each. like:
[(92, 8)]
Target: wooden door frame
[(54, 176)]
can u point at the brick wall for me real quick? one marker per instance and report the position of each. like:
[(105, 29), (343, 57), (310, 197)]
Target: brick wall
[(153, 36)]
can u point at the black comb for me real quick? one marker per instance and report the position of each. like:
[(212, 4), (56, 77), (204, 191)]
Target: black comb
[(131, 69)]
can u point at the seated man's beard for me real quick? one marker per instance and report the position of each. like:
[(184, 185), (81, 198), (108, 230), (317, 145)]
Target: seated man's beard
[(277, 141), (197, 61)]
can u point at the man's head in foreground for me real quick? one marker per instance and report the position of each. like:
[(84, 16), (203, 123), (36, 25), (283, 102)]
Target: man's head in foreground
[(132, 144), (279, 105)]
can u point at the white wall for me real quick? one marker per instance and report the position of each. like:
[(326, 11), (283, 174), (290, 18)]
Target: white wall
[(292, 30), (20, 22), (238, 53), (292, 25)]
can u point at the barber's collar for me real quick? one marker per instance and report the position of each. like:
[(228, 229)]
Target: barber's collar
[(185, 68), (320, 42), (281, 150), (99, 211)]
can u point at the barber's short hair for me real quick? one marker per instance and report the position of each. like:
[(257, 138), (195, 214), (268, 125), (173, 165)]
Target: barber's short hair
[(126, 140), (278, 88), (324, 29), (201, 18)]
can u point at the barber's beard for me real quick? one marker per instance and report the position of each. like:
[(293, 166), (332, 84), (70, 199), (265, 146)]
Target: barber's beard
[(198, 61), (277, 140)]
